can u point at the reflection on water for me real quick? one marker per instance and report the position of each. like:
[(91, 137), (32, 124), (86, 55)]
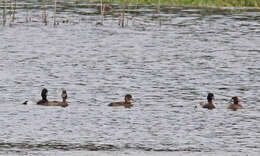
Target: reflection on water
[(165, 66)]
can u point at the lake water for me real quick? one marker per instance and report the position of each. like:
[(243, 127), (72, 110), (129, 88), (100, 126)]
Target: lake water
[(168, 68)]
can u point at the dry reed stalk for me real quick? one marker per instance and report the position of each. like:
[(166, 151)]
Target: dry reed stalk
[(159, 12), (10, 6), (44, 14), (4, 12), (122, 19), (54, 14), (102, 10), (27, 14), (14, 10)]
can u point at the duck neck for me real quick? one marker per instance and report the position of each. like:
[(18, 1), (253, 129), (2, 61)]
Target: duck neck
[(210, 102), (64, 100), (236, 102), (44, 98), (127, 101)]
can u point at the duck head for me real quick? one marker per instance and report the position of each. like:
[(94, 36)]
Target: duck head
[(235, 99), (128, 98), (44, 93), (64, 94), (210, 97)]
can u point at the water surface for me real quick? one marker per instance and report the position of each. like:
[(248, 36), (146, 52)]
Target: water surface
[(168, 68)]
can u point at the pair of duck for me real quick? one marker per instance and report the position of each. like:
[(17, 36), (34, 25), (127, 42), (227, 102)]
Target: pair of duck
[(45, 102), (234, 106)]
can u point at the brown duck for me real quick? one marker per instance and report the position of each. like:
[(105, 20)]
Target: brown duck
[(127, 103), (235, 106), (62, 103)]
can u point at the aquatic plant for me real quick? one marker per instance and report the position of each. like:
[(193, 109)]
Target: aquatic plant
[(54, 14), (44, 14), (122, 18), (14, 10), (4, 11), (102, 10), (9, 8)]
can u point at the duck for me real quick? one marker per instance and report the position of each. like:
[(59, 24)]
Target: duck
[(62, 103), (127, 103), (210, 104), (40, 102), (235, 105)]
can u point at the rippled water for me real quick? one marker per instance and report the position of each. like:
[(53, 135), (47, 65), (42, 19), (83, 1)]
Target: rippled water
[(168, 68)]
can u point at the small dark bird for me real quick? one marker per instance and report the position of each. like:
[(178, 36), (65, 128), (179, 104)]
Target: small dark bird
[(210, 104)]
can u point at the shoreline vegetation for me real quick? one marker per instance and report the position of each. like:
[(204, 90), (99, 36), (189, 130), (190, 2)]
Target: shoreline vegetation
[(9, 7), (189, 3)]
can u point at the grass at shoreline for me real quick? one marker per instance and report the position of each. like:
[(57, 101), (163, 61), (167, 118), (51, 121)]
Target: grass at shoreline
[(200, 3)]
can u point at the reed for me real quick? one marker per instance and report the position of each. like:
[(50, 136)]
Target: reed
[(102, 10), (4, 12), (122, 18), (10, 6), (44, 14), (27, 13), (54, 14), (159, 12), (14, 10)]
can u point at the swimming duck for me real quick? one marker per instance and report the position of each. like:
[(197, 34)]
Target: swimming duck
[(42, 101), (63, 103), (235, 105), (126, 104), (210, 104)]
